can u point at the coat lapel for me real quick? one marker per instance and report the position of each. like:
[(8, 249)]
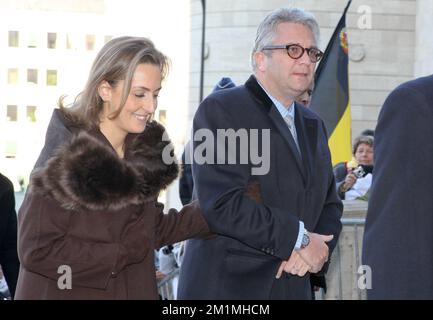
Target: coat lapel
[(281, 125), (306, 128)]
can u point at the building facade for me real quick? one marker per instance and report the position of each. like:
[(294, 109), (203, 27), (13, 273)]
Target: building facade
[(47, 50), (42, 48), (390, 41)]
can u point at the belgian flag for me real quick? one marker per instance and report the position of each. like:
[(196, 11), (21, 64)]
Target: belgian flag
[(330, 99)]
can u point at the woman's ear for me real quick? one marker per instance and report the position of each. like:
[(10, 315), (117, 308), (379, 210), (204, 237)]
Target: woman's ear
[(104, 91)]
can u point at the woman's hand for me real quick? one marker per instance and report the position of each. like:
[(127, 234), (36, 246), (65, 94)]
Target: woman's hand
[(349, 181)]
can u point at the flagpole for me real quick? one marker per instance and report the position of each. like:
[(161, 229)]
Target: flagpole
[(347, 7)]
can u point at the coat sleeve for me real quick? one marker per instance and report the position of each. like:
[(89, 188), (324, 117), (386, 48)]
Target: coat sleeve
[(8, 239), (340, 173), (44, 245), (178, 226), (221, 188), (330, 218)]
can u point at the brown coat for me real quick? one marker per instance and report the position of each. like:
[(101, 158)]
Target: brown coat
[(97, 214)]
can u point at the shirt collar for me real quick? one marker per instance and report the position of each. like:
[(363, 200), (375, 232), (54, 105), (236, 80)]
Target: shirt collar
[(285, 112)]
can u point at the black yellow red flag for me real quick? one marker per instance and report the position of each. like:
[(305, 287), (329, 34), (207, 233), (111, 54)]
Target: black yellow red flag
[(330, 97)]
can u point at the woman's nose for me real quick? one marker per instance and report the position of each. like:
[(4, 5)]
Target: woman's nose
[(150, 105)]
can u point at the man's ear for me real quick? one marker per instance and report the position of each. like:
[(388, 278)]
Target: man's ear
[(104, 91), (260, 60)]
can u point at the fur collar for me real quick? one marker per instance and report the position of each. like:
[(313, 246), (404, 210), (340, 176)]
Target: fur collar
[(86, 173)]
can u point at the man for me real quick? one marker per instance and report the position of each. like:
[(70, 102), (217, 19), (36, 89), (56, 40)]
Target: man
[(398, 238), (8, 234), (273, 226), (305, 97)]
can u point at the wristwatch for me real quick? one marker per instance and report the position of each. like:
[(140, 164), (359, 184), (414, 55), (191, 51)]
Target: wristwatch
[(305, 239)]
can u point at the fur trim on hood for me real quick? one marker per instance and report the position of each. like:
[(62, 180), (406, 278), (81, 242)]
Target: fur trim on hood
[(86, 173)]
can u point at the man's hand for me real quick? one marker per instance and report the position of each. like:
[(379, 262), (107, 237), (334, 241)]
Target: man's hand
[(295, 266), (317, 251)]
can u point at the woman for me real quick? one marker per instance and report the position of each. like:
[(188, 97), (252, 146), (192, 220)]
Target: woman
[(90, 220), (354, 179)]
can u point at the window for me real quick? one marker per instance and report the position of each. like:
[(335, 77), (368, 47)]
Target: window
[(51, 40), (32, 76), (13, 76), (51, 77), (12, 113), (162, 117), (33, 40), (68, 41), (90, 41), (74, 41), (31, 113), (13, 39), (11, 149)]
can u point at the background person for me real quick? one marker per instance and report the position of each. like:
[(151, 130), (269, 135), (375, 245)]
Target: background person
[(354, 178), (398, 237)]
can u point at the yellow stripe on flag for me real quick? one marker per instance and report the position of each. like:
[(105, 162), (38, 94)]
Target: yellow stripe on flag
[(339, 142)]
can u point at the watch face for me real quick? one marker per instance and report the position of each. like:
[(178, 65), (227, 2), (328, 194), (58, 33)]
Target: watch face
[(305, 240)]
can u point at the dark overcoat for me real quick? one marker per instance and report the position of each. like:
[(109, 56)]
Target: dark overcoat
[(8, 234), (398, 238), (255, 236)]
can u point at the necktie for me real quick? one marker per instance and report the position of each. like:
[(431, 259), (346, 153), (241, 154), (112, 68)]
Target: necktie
[(291, 124)]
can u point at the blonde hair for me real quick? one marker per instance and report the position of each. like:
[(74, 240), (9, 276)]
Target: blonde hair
[(116, 61)]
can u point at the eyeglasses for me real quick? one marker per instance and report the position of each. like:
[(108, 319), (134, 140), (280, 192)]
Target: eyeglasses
[(295, 51)]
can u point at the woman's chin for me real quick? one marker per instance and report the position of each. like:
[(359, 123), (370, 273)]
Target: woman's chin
[(137, 128)]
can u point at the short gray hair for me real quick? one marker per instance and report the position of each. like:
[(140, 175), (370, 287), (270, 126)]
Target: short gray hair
[(267, 28), (362, 139)]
